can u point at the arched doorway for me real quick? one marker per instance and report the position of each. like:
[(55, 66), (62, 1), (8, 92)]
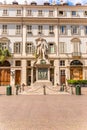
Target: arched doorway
[(4, 73), (76, 70)]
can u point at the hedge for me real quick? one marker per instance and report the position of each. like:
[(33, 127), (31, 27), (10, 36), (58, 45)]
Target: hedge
[(74, 82)]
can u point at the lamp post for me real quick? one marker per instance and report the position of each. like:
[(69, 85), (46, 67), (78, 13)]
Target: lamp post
[(12, 73)]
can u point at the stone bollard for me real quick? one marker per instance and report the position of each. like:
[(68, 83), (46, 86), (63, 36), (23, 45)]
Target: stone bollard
[(44, 90)]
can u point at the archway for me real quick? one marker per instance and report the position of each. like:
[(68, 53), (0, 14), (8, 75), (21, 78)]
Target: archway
[(76, 70), (4, 73)]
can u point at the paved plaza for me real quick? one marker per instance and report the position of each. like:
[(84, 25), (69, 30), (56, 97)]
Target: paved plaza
[(43, 112)]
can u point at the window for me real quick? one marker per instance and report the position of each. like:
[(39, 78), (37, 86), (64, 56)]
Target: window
[(51, 48), (17, 47), (74, 13), (29, 29), (75, 30), (5, 12), (4, 29), (85, 13), (40, 13), (62, 62), (29, 63), (50, 13), (61, 13), (62, 72), (40, 29), (76, 47), (29, 12), (86, 30), (52, 63), (29, 48), (51, 29), (62, 47), (3, 46), (18, 63), (18, 12), (63, 30), (18, 29)]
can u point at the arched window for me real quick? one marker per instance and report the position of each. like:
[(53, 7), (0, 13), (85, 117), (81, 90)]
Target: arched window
[(4, 43), (76, 62), (5, 64)]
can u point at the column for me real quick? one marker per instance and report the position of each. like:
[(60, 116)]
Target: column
[(56, 38), (24, 40), (67, 71), (84, 73), (56, 72), (48, 74), (31, 75), (36, 74), (24, 72), (32, 63)]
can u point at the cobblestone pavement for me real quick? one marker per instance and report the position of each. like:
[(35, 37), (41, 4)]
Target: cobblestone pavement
[(45, 112)]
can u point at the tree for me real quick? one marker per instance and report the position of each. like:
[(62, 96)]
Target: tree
[(4, 54)]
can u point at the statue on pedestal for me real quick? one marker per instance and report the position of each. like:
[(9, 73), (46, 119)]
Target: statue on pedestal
[(41, 48)]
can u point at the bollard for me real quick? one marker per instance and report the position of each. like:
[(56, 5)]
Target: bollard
[(71, 91), (44, 90)]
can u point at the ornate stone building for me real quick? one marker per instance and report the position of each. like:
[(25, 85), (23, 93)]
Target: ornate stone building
[(63, 28)]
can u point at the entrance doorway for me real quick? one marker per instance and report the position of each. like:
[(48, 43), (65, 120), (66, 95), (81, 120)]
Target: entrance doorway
[(62, 77), (29, 76), (52, 75), (17, 77), (4, 73), (76, 70)]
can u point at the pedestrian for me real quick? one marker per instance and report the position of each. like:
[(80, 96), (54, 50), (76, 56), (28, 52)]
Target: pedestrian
[(23, 85), (17, 88)]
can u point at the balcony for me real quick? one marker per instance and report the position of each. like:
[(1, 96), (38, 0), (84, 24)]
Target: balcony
[(76, 54)]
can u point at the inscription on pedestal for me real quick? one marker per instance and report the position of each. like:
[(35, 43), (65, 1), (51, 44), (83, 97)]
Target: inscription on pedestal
[(42, 73)]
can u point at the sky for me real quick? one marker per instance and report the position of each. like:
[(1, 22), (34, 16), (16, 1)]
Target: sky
[(42, 1)]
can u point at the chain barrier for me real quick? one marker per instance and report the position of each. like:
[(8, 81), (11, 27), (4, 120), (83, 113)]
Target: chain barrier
[(52, 89), (34, 90)]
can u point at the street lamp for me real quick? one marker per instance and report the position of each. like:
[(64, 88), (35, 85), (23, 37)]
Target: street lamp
[(12, 73)]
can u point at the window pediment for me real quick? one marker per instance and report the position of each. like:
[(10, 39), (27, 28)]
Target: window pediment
[(4, 39), (75, 40)]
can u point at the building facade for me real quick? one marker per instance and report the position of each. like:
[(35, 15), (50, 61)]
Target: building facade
[(63, 27)]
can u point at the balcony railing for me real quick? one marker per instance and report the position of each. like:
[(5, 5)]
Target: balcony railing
[(76, 54)]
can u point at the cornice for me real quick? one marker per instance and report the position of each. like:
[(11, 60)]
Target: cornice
[(63, 7), (55, 21)]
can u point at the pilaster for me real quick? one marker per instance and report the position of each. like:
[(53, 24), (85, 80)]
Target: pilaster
[(24, 71), (56, 72), (24, 40)]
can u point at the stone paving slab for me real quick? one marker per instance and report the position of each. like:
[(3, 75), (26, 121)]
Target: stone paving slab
[(45, 112)]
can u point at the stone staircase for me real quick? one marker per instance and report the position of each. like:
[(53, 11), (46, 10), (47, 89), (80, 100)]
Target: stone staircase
[(42, 83)]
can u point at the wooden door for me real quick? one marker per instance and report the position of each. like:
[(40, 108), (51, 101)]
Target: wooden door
[(62, 79), (4, 77), (17, 77)]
